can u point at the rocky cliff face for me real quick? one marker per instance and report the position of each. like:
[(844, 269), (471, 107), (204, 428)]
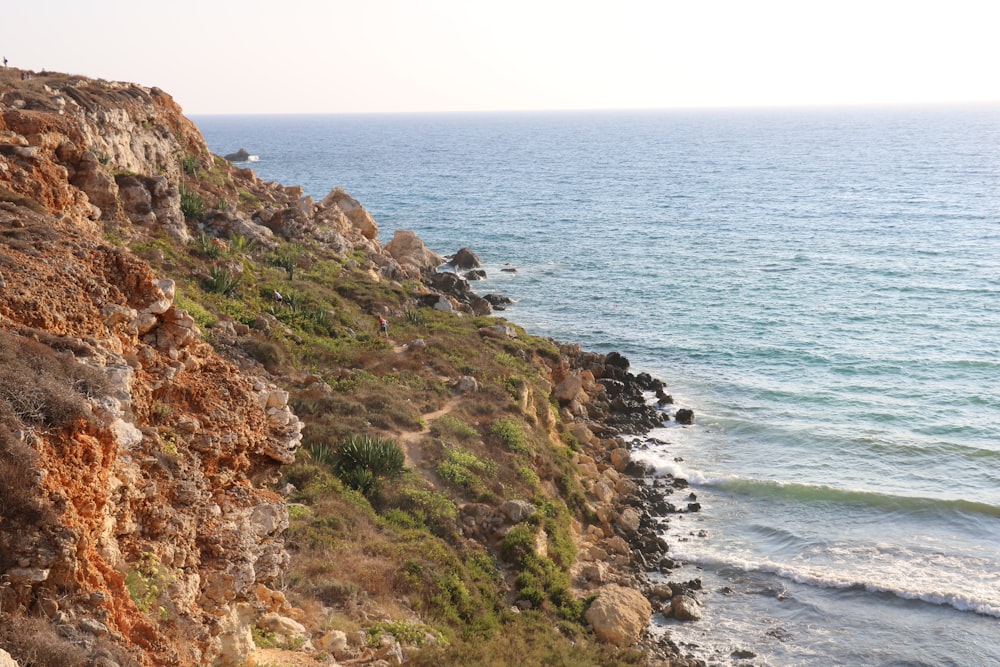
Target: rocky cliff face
[(148, 494)]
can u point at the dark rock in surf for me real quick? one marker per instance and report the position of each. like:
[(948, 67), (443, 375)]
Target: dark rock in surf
[(498, 300), (464, 259), (242, 155), (684, 416), (616, 359)]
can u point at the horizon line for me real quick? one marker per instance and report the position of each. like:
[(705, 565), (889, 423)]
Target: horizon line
[(745, 107)]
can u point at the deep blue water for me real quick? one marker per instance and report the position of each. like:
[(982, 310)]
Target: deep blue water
[(821, 286)]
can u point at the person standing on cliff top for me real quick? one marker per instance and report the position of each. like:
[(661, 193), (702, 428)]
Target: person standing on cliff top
[(5, 62)]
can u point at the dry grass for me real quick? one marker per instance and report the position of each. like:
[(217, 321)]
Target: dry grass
[(33, 642)]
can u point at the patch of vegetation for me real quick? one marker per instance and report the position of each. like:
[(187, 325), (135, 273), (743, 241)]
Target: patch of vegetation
[(448, 427), (405, 632), (222, 280), (509, 433), (467, 471), (192, 205), (528, 638), (146, 581), (363, 461), (43, 386), (190, 165)]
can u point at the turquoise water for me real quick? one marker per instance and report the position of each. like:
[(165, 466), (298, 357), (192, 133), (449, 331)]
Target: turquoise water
[(822, 287)]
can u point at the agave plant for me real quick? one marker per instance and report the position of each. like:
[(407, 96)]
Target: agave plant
[(222, 280), (363, 460)]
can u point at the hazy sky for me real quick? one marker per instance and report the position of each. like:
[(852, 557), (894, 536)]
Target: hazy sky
[(315, 56)]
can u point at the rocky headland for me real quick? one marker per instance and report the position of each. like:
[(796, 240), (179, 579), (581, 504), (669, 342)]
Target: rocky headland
[(174, 479)]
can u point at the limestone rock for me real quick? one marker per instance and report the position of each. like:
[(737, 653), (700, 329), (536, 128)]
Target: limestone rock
[(618, 615), (6, 660), (407, 249), (517, 510), (620, 458), (569, 389), (288, 628), (685, 608), (356, 214)]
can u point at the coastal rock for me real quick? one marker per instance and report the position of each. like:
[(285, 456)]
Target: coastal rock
[(360, 218), (684, 416), (498, 301), (569, 389), (242, 155), (464, 259), (685, 608), (618, 615), (409, 250)]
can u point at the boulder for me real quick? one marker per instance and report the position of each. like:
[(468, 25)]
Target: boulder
[(282, 625), (685, 608), (465, 259), (517, 510), (498, 301), (450, 283), (618, 615), (615, 359), (629, 520), (569, 389), (466, 384), (6, 660), (684, 416), (242, 155), (360, 218), (620, 458)]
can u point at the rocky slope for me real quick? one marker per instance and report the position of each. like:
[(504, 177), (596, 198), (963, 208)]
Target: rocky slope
[(138, 515)]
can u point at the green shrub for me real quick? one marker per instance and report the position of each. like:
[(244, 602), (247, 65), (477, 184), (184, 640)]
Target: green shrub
[(192, 205), (416, 317), (240, 245), (222, 280), (362, 460), (189, 165), (466, 470), (285, 258), (509, 433)]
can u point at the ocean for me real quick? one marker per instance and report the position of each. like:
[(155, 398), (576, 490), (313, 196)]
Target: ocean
[(822, 288)]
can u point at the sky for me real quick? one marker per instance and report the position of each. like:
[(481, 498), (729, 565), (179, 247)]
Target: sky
[(350, 56)]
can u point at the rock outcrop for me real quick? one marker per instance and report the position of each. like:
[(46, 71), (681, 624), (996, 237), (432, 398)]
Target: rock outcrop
[(149, 497)]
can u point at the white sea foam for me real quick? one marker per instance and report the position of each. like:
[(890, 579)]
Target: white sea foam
[(963, 582)]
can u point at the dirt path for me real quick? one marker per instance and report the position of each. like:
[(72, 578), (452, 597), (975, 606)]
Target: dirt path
[(410, 440)]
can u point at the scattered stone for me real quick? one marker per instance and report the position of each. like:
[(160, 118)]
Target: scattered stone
[(684, 416)]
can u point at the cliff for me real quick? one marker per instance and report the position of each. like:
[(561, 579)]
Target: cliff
[(161, 410)]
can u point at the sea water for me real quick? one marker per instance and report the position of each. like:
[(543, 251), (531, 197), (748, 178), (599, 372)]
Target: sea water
[(822, 288)]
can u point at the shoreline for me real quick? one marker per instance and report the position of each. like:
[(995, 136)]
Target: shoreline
[(639, 512)]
